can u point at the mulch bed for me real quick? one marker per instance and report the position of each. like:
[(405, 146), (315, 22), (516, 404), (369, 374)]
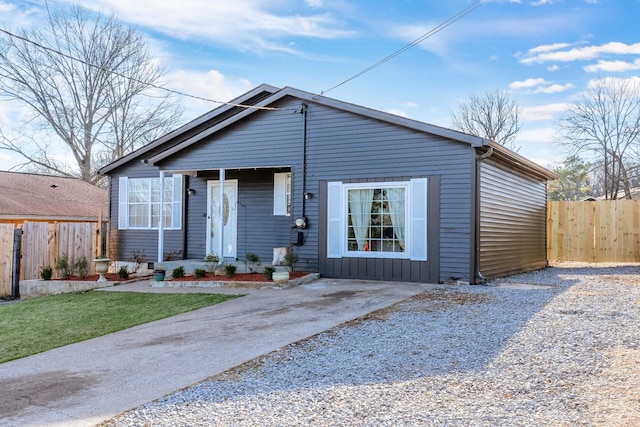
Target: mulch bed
[(238, 277)]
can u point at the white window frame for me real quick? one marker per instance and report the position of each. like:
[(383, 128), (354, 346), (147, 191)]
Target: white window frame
[(415, 220), (175, 203), (282, 194)]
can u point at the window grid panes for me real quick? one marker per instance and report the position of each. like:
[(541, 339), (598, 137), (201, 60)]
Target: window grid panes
[(376, 219), (144, 202)]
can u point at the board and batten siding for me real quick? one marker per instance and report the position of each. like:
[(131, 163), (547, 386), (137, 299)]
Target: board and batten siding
[(350, 148), (512, 221)]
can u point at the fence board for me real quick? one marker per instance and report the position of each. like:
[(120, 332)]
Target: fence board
[(603, 231), (6, 258)]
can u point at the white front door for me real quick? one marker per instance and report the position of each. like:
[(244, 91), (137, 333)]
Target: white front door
[(222, 215)]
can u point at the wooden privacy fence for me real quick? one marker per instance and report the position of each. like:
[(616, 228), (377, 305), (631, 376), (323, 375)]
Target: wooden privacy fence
[(602, 231), (43, 243), (6, 258)]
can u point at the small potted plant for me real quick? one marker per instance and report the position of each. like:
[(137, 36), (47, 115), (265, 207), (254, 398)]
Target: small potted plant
[(158, 274)]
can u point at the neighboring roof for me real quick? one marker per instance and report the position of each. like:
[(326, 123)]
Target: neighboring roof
[(31, 196)]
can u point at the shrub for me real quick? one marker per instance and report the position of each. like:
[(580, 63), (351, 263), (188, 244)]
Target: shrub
[(253, 262), (178, 272), (46, 272), (290, 259), (137, 257), (64, 267), (123, 272), (230, 270), (199, 272), (81, 266), (268, 272), (211, 261)]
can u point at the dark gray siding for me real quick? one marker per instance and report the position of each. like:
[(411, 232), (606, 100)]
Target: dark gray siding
[(346, 147), (340, 146), (512, 221), (252, 152), (259, 231), (123, 243)]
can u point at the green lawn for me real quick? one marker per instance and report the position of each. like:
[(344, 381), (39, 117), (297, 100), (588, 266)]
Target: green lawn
[(40, 324)]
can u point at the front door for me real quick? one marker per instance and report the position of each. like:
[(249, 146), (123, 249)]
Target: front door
[(222, 222)]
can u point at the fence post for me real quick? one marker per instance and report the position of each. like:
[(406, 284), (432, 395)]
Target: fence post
[(17, 255)]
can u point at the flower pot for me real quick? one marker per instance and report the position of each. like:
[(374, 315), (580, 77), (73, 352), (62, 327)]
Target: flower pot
[(280, 277), (102, 266), (158, 275)]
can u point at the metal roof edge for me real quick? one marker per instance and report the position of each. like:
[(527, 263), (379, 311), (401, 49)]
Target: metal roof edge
[(521, 162)]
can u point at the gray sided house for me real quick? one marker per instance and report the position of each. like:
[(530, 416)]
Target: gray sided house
[(356, 193)]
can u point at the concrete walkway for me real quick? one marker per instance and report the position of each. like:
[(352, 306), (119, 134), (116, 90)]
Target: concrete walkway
[(85, 383)]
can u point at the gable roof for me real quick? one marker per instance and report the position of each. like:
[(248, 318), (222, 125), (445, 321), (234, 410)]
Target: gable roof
[(264, 96), (213, 117), (32, 196), (329, 102)]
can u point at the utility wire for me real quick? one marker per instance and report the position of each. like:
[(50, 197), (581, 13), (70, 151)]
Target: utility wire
[(464, 12), (175, 92)]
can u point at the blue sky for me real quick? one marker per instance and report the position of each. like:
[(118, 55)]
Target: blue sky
[(544, 52)]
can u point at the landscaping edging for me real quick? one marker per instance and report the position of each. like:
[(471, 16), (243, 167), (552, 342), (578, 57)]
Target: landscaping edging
[(234, 284), (39, 288)]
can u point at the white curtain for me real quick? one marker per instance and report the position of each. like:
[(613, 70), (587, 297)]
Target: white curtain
[(395, 199), (360, 202)]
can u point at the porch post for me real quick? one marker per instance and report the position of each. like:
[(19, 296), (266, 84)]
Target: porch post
[(221, 248), (161, 220)]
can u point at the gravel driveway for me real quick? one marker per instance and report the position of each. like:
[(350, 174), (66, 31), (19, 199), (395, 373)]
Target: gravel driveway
[(563, 352)]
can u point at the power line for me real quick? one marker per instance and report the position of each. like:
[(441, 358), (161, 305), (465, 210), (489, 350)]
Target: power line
[(155, 86), (464, 12)]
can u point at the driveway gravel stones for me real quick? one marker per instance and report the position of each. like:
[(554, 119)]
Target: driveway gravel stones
[(556, 347)]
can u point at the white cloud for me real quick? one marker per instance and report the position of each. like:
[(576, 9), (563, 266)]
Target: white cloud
[(397, 112), (537, 56), (613, 66), (247, 24), (539, 85), (211, 85), (528, 83), (554, 88), (553, 68), (548, 48), (543, 112)]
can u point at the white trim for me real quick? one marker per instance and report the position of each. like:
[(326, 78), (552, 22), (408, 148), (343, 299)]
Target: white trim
[(415, 219), (280, 207), (123, 203)]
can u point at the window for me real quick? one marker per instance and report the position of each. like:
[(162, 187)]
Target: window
[(381, 220), (139, 203), (282, 193)]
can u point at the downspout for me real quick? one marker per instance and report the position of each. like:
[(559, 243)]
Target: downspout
[(304, 161), (478, 277)]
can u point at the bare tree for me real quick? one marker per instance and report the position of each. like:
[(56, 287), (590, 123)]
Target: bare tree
[(492, 115), (606, 122), (90, 82)]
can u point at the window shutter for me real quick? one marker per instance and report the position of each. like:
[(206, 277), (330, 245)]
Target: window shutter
[(334, 220), (280, 194), (176, 214), (123, 203), (418, 251)]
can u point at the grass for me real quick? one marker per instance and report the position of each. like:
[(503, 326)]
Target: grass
[(40, 324)]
